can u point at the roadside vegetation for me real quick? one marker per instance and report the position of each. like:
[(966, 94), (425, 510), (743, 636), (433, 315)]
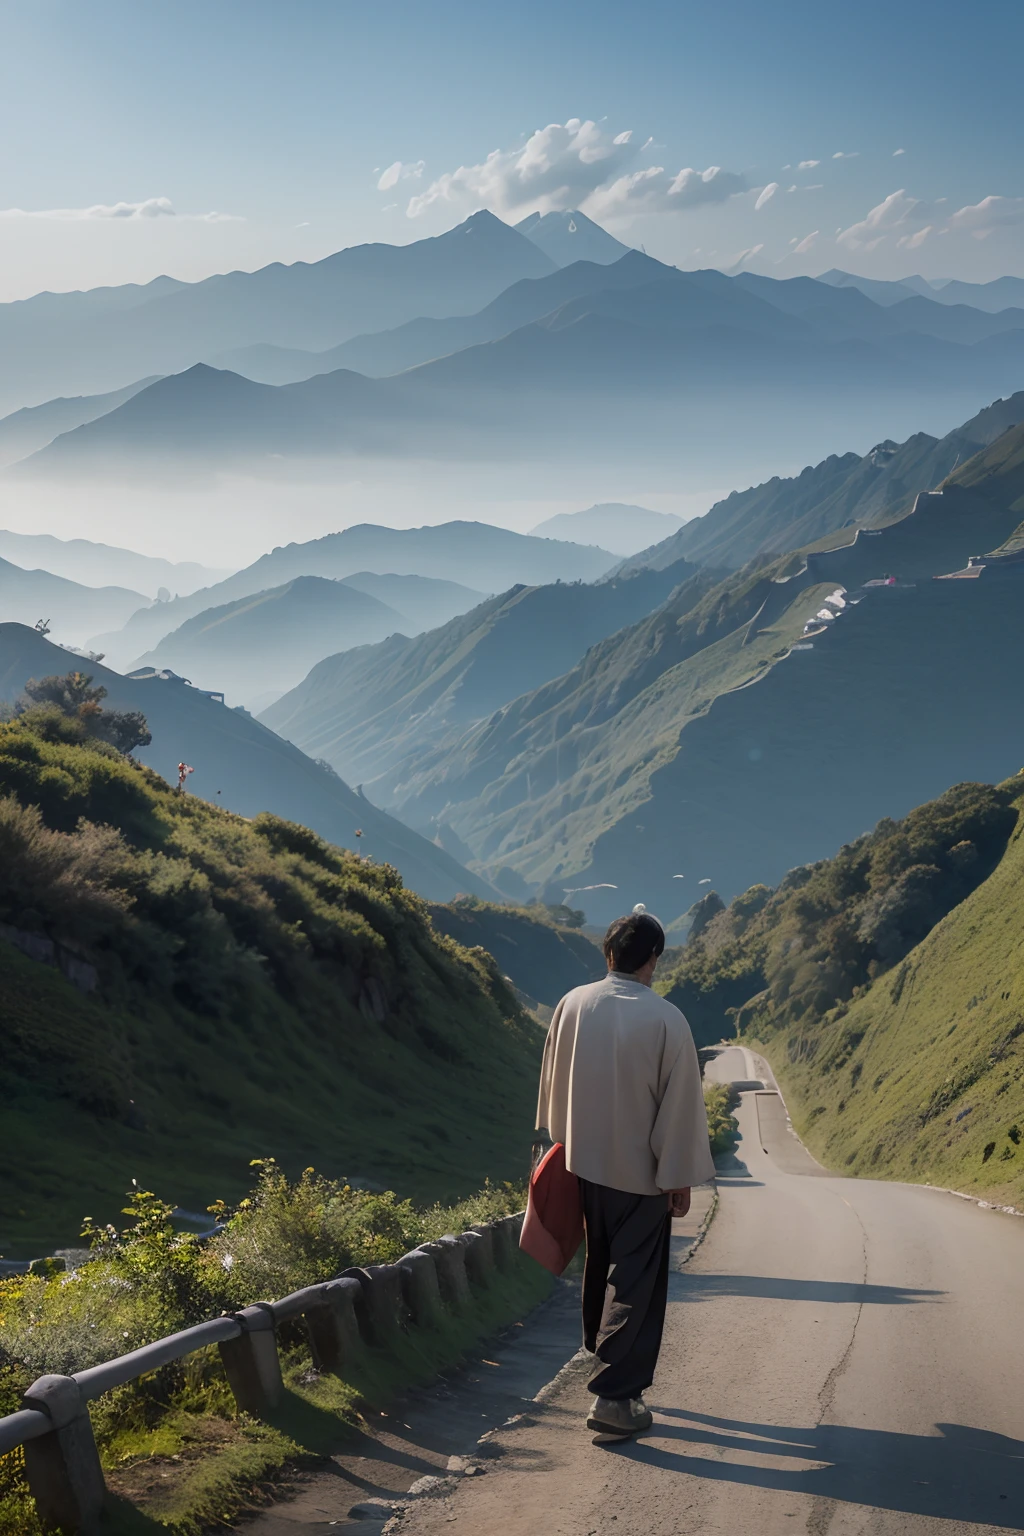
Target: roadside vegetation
[(886, 985), (257, 989), (172, 1444)]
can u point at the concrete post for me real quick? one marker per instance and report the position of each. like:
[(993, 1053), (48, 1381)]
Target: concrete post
[(384, 1303), (449, 1254), (504, 1244), (63, 1468), (252, 1364), (333, 1329), (422, 1292), (479, 1246)]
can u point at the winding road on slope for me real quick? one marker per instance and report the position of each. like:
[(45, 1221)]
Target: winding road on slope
[(841, 1357)]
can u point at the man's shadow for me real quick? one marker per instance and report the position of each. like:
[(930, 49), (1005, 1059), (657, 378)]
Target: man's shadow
[(974, 1476)]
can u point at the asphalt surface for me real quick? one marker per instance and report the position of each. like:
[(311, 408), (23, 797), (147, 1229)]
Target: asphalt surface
[(841, 1356)]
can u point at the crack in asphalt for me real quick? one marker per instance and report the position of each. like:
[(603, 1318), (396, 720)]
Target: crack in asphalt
[(823, 1510)]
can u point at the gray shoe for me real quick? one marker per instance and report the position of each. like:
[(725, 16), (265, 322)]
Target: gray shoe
[(620, 1417)]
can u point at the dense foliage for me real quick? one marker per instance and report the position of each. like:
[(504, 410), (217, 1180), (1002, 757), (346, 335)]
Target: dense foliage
[(258, 989), (70, 709), (783, 959), (148, 1278)]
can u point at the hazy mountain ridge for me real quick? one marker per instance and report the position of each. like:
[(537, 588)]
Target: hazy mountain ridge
[(614, 360), (382, 353), (613, 525), (77, 343), (100, 565), (478, 556), (266, 643), (840, 492), (24, 432), (371, 709), (74, 610)]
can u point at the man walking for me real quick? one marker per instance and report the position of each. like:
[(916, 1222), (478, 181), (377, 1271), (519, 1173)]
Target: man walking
[(620, 1087)]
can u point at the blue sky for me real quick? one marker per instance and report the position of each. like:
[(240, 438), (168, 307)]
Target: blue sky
[(267, 127)]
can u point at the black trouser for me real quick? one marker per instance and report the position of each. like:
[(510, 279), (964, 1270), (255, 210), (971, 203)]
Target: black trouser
[(625, 1286)]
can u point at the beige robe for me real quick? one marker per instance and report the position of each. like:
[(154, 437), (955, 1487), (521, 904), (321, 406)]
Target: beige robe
[(620, 1086)]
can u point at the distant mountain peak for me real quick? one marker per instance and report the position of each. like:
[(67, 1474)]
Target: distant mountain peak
[(570, 236)]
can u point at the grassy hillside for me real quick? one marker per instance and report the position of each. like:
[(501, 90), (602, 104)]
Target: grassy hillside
[(542, 958), (261, 993), (242, 765), (369, 709), (886, 986)]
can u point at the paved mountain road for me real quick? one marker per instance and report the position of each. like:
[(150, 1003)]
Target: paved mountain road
[(841, 1357)]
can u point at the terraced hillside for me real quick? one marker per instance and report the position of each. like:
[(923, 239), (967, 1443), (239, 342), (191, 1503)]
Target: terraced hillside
[(756, 755)]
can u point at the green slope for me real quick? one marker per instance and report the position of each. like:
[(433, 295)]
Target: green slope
[(898, 1059), (700, 743), (260, 993), (541, 958), (242, 765), (367, 710)]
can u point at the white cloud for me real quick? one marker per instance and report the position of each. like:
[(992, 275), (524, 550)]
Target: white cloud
[(810, 186), (150, 208), (899, 213), (846, 154), (806, 243), (808, 165), (766, 195), (898, 152), (980, 219), (576, 165), (912, 220), (400, 171)]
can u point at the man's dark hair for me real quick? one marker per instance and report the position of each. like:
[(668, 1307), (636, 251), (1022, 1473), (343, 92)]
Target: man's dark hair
[(631, 941)]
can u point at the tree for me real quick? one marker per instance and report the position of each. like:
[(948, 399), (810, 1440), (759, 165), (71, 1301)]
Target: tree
[(126, 730), (75, 699)]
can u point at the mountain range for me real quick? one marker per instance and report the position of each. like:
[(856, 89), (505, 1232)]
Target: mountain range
[(613, 525), (381, 353), (73, 611), (474, 556), (633, 361), (24, 432), (86, 343), (256, 647), (1000, 293), (715, 738), (241, 765), (100, 565), (370, 709)]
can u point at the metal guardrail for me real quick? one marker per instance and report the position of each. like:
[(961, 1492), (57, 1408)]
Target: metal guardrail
[(363, 1307)]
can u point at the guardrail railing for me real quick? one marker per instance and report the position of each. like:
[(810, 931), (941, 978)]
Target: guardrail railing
[(362, 1307)]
